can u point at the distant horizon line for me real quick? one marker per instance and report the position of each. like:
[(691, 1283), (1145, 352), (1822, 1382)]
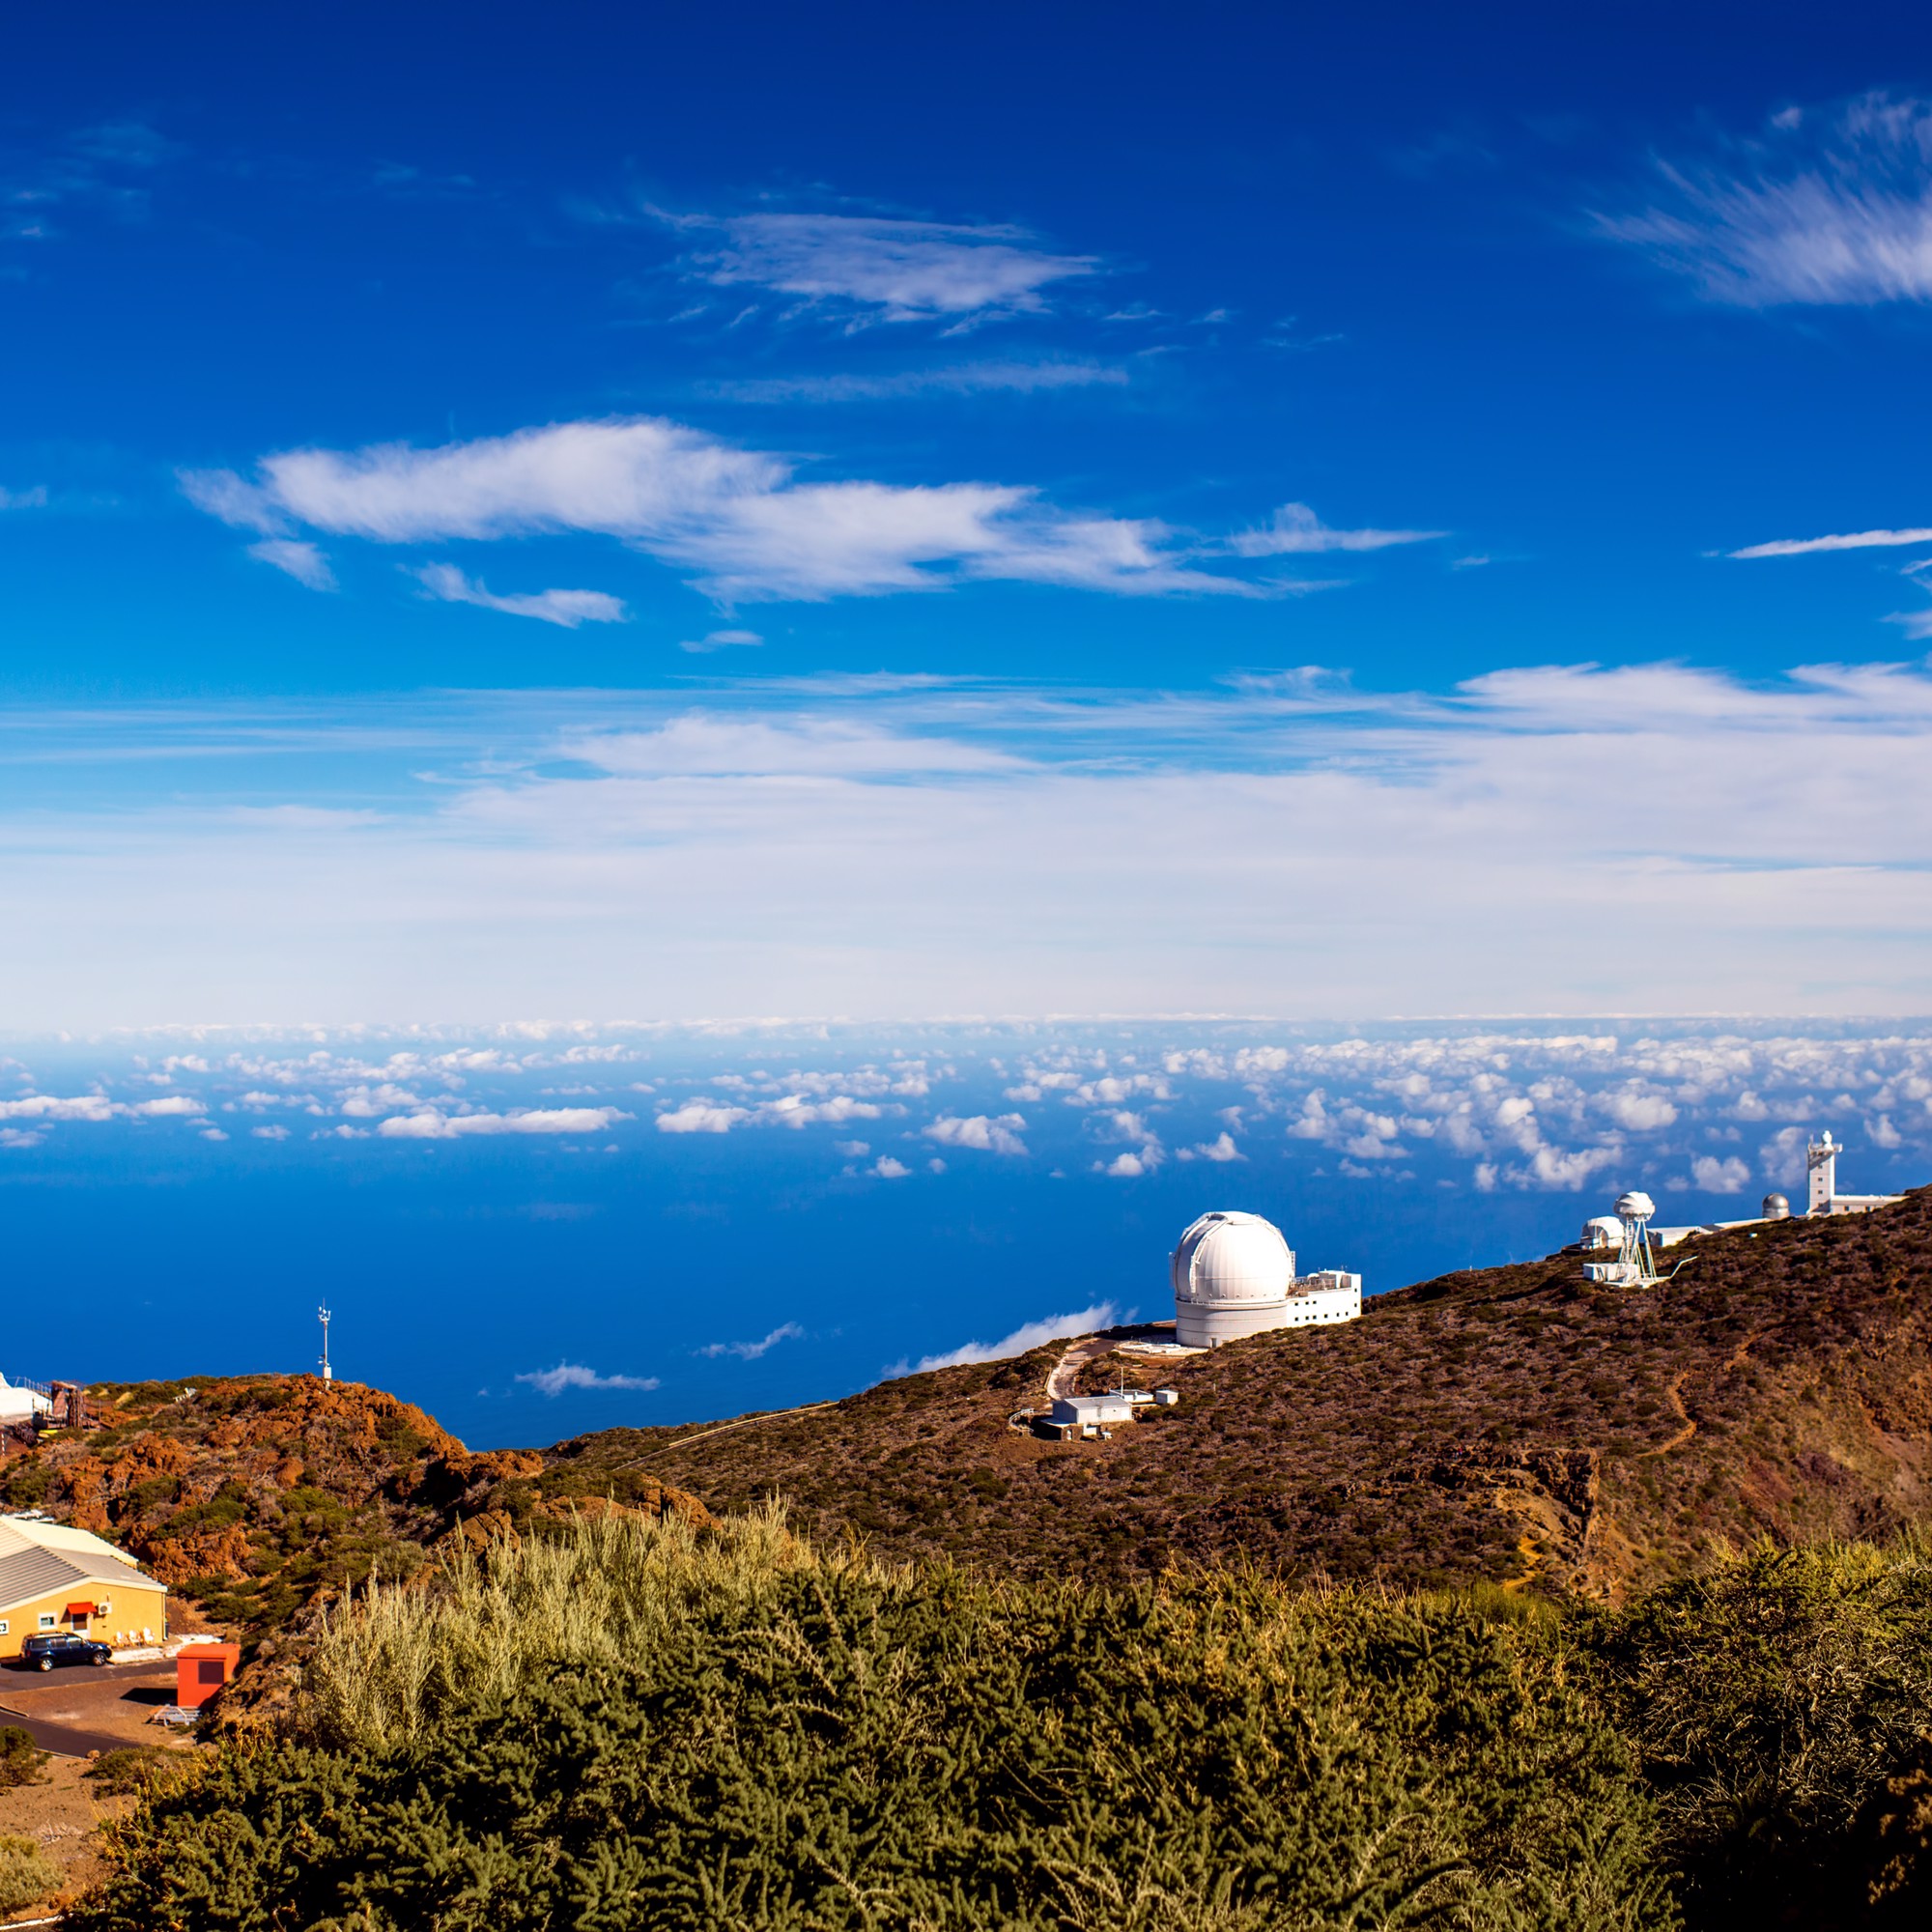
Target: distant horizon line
[(722, 1024)]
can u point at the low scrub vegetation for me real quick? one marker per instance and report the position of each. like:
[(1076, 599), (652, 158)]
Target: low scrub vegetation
[(26, 1873), (644, 1725), (637, 1724)]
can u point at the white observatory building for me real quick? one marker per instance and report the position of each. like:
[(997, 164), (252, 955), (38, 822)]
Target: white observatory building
[(1821, 1166), (1233, 1275)]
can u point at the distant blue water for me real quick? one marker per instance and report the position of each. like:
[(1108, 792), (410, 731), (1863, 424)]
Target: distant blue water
[(137, 1246)]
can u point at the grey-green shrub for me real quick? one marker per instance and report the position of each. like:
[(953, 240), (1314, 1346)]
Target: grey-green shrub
[(642, 1727)]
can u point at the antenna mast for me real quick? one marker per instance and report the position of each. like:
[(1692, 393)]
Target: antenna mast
[(327, 1374)]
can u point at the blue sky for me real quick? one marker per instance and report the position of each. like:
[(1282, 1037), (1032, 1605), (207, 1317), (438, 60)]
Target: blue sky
[(1001, 510)]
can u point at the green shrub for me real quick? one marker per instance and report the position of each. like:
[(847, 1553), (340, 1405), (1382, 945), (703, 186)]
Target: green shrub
[(1771, 1702), (137, 1769), (26, 1875), (639, 1725), (20, 1758)]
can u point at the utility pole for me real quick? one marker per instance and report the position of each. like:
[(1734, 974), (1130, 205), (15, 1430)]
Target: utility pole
[(327, 1374)]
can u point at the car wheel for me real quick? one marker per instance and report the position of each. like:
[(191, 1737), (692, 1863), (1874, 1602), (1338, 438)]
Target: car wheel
[(99, 1657), (47, 1664)]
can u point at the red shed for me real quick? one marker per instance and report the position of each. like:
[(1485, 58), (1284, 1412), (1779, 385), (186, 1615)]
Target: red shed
[(202, 1669)]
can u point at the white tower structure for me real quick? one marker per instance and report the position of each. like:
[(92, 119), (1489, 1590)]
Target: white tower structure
[(1233, 1275), (1821, 1166), (327, 1374), (1821, 1162)]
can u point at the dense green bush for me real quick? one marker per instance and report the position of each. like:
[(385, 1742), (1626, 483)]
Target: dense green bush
[(640, 1726), (20, 1758), (628, 1724), (1773, 1702)]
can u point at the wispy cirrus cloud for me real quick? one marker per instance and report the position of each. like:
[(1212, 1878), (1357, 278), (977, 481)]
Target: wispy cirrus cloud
[(1852, 540), (1824, 208), (1296, 531), (105, 168), (719, 641), (963, 379), (303, 562), (892, 269), (569, 608), (751, 1351), (739, 518)]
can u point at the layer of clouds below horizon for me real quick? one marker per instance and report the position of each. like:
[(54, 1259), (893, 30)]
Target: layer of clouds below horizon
[(1565, 838), (1696, 1108)]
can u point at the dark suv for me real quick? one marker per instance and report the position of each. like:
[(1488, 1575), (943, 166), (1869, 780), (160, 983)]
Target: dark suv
[(43, 1653)]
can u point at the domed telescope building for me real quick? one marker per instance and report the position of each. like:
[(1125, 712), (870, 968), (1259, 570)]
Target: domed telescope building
[(1233, 1275)]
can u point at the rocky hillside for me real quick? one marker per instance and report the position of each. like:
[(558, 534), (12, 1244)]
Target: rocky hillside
[(1513, 1424), (252, 1494), (1507, 1423)]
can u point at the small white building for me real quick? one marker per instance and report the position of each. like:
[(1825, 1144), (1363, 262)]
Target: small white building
[(1097, 1411), (20, 1401), (1233, 1275), (1089, 1415)]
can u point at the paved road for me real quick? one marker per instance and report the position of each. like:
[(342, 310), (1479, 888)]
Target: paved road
[(53, 1734)]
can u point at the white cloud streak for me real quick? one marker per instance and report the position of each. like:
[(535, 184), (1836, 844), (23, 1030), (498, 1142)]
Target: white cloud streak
[(899, 270), (1821, 209), (738, 517), (914, 847), (751, 1352), (1854, 540), (432, 1125), (1028, 1335), (961, 379), (568, 608), (1296, 531), (293, 557), (568, 1375)]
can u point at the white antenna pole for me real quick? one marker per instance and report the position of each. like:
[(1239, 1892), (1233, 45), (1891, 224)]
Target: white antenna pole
[(327, 1374)]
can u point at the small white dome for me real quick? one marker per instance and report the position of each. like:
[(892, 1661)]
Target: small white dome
[(1635, 1207), (1230, 1257)]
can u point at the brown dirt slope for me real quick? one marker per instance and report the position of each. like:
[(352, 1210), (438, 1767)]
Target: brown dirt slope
[(1511, 1424), (252, 1494)]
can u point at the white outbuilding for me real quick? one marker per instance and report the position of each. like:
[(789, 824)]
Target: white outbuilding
[(1233, 1275)]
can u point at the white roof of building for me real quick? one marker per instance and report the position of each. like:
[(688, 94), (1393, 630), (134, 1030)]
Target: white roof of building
[(78, 1545), (1228, 1256)]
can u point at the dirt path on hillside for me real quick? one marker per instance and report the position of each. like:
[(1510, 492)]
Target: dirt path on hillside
[(1065, 1376), (747, 1421), (1684, 1435)]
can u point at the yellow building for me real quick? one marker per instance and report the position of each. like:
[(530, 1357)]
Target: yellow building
[(56, 1577)]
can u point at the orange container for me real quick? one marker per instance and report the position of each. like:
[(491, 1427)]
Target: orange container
[(201, 1669)]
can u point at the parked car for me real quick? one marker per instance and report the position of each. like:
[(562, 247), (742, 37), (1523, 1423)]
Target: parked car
[(43, 1653)]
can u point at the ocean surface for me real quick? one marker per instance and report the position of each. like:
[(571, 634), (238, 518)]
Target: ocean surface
[(537, 1231)]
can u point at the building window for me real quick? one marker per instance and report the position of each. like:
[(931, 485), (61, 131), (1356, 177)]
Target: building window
[(3, 1626), (48, 1620)]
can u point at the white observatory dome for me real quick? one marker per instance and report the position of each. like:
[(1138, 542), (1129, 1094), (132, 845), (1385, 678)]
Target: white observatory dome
[(1231, 1276), (1232, 1258), (1635, 1207)]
